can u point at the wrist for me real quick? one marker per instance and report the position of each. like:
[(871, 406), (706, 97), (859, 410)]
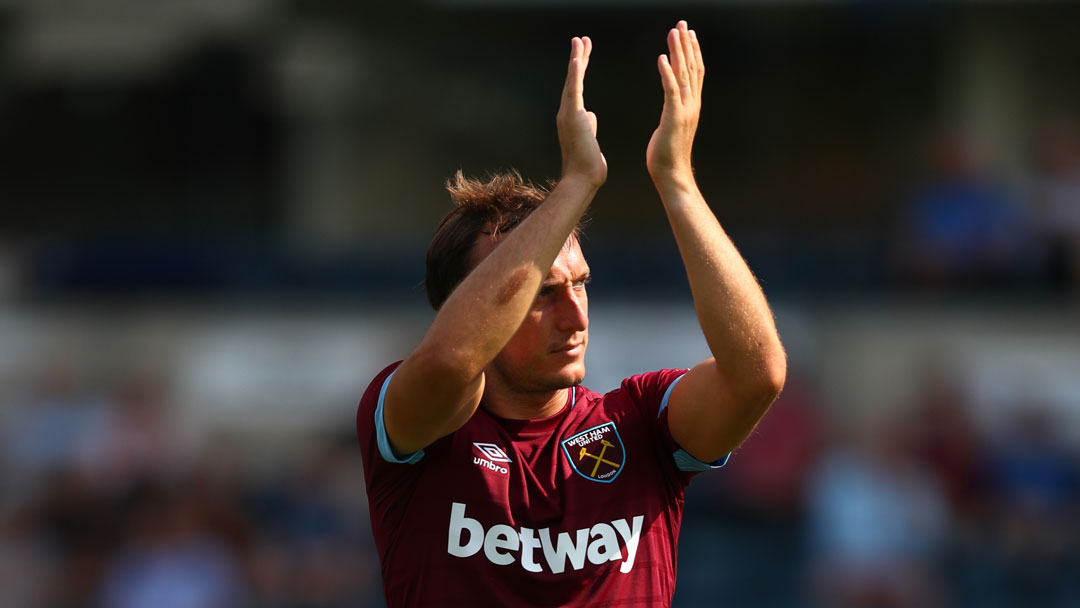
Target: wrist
[(580, 181), (675, 183)]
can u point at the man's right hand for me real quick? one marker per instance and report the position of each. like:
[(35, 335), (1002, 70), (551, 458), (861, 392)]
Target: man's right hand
[(581, 155)]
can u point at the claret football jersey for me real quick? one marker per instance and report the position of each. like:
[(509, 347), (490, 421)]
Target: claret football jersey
[(579, 509)]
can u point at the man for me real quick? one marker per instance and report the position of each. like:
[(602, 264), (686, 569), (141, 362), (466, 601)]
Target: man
[(494, 478)]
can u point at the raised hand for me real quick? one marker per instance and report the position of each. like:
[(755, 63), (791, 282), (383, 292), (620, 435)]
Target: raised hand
[(581, 155), (682, 74)]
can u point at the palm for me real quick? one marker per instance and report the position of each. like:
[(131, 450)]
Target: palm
[(577, 126), (682, 76), (659, 152)]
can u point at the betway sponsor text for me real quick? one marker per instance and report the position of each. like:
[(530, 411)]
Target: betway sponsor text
[(598, 543)]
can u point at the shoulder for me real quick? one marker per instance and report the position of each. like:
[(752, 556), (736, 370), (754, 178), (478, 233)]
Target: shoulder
[(651, 381), (651, 389), (369, 402), (378, 385), (645, 392)]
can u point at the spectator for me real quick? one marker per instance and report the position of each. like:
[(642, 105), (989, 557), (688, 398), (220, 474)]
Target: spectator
[(172, 559), (47, 431), (1035, 492), (959, 226), (947, 442), (319, 554), (137, 438), (877, 522), (25, 564), (1056, 200)]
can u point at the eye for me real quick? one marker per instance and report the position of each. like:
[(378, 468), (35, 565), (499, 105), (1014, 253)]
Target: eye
[(581, 283), (544, 292)]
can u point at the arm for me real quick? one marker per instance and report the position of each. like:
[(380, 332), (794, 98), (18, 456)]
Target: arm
[(718, 402), (439, 385)]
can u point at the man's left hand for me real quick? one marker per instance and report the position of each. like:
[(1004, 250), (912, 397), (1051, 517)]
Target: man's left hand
[(682, 74)]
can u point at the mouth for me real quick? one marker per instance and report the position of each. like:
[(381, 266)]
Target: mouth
[(570, 350)]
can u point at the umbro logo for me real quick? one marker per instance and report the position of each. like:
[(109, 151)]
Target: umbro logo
[(491, 454), (492, 451)]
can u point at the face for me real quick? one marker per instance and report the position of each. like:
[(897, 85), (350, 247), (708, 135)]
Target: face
[(548, 351)]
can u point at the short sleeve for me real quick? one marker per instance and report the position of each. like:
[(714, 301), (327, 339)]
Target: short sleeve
[(381, 465), (651, 391)]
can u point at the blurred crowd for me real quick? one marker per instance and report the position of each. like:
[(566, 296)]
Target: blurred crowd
[(239, 165), (965, 224), (921, 507), (957, 221), (110, 500)]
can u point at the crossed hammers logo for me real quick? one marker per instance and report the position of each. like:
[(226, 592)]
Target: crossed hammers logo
[(600, 458)]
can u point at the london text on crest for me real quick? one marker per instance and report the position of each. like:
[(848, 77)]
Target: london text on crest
[(597, 454)]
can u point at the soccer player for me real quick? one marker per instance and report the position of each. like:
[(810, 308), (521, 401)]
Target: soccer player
[(494, 478)]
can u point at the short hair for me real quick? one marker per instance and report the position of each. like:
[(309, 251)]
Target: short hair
[(488, 207)]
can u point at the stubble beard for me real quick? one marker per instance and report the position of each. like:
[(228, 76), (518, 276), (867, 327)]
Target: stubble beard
[(523, 379)]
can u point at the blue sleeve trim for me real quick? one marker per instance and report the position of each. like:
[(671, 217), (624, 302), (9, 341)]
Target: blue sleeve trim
[(689, 464), (380, 432), (667, 394), (683, 460)]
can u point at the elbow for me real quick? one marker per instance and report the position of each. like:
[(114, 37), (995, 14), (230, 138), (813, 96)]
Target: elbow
[(758, 381), (760, 393), (775, 374), (769, 381)]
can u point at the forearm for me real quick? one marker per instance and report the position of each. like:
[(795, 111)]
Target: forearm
[(718, 402), (485, 310), (440, 384), (734, 315)]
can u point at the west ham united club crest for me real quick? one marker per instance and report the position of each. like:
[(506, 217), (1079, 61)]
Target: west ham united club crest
[(596, 454)]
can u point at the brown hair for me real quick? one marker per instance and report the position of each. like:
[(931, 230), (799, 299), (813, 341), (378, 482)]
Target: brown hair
[(491, 207)]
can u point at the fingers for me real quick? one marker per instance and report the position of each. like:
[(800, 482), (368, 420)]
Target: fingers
[(686, 60), (698, 60), (678, 60), (688, 50), (570, 87), (667, 79), (574, 87)]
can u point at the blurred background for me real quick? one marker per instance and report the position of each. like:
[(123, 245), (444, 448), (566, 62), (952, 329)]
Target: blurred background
[(214, 215)]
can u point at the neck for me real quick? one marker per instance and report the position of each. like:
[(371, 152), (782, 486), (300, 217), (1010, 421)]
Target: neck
[(515, 404)]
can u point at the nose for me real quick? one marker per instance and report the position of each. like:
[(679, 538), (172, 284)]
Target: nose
[(573, 310)]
